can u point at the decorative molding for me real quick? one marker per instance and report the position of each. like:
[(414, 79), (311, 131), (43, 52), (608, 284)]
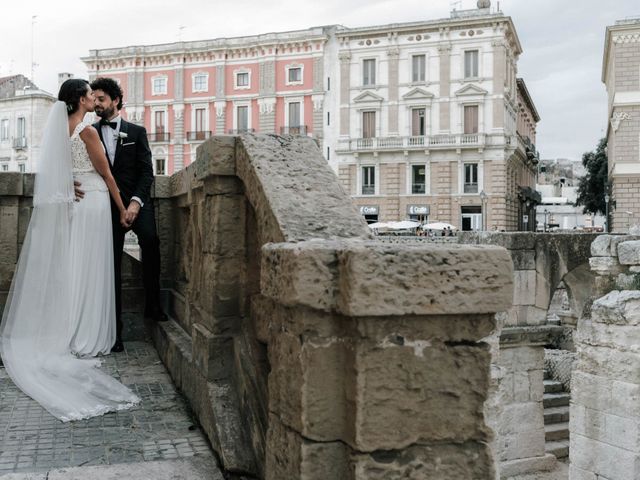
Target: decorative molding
[(220, 106), (627, 38), (365, 97), (178, 110), (344, 56), (393, 52), (318, 101), (617, 118), (444, 48), (417, 94), (470, 90), (266, 105)]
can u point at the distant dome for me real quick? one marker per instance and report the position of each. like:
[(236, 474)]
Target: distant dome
[(484, 3)]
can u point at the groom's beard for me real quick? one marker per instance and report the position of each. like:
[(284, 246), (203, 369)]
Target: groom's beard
[(107, 113)]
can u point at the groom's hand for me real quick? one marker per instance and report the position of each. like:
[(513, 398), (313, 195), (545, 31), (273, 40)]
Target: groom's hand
[(132, 212), (79, 193)]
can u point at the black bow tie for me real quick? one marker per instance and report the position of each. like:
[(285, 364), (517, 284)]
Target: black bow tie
[(113, 125)]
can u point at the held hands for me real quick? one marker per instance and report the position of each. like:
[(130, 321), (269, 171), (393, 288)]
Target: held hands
[(79, 193), (131, 213)]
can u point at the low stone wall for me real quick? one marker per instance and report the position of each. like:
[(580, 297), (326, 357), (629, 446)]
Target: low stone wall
[(605, 406)]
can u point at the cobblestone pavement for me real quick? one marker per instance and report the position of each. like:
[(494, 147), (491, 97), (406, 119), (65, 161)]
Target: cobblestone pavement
[(31, 440)]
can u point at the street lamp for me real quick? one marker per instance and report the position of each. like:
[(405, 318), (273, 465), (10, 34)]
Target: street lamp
[(483, 199), (606, 212)]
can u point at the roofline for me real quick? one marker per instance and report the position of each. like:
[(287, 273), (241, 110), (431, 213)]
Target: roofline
[(622, 26), (522, 86)]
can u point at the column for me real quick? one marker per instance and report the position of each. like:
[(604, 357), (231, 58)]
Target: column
[(393, 60), (345, 84), (445, 87)]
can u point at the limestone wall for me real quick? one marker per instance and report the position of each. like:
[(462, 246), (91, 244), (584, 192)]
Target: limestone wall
[(605, 406)]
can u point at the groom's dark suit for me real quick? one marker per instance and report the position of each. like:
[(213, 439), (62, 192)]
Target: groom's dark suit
[(133, 173)]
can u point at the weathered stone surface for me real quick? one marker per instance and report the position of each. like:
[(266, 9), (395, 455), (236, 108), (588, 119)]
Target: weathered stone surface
[(605, 265), (629, 252), (216, 156), (10, 184), (601, 246), (523, 259), (618, 307), (371, 279)]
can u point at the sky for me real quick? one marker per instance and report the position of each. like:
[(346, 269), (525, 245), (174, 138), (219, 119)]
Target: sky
[(562, 40)]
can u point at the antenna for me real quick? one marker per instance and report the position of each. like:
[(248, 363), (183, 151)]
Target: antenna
[(33, 63), (455, 3), (180, 30)]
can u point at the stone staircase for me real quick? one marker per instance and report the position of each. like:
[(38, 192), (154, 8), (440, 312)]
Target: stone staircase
[(556, 417)]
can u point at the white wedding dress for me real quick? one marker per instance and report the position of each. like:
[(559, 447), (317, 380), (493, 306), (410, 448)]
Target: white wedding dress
[(60, 309)]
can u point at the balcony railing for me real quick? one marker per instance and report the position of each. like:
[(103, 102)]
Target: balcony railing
[(240, 131), (20, 143), (418, 188), (159, 137), (198, 135), (299, 130), (414, 142), (470, 188), (368, 190)]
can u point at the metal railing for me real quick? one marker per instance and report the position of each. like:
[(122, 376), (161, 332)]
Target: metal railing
[(470, 188), (368, 190), (239, 131), (159, 137), (413, 142), (298, 130), (198, 135), (20, 143), (418, 188)]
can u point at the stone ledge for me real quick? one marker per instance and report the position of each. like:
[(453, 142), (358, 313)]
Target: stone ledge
[(522, 466), (530, 335), (369, 278)]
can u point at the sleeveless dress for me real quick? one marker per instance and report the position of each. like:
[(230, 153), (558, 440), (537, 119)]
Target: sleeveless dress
[(93, 315)]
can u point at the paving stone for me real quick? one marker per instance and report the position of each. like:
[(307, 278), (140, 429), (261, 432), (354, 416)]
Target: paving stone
[(31, 440)]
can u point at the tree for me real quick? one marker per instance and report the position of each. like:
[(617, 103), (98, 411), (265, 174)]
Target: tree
[(593, 185)]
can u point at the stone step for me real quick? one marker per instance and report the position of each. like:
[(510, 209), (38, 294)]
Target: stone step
[(552, 386), (556, 431), (555, 399), (560, 448), (547, 375), (556, 415)]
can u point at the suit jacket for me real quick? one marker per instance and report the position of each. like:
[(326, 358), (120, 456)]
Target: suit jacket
[(131, 168)]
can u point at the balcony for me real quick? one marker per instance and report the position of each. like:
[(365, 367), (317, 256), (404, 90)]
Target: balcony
[(425, 142), (529, 148), (198, 136), (470, 188), (240, 131), (299, 130), (159, 137), (20, 143)]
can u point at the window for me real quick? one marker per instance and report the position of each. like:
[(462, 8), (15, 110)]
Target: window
[(368, 124), (295, 75), (328, 83), (159, 121), (21, 167), (471, 64), (4, 129), (5, 168), (470, 178), (200, 119), (328, 118), (242, 118), (418, 122), (159, 86), (369, 72), (418, 179), (418, 68), (470, 119), (368, 180), (21, 130), (471, 218), (200, 82), (294, 114), (242, 80), (161, 166), (328, 153)]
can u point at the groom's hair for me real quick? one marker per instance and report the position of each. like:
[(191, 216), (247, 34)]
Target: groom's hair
[(110, 87)]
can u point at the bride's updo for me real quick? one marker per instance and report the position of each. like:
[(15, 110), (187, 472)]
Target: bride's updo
[(71, 91)]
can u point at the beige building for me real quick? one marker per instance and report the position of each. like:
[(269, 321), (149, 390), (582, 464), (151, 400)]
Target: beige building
[(434, 124), (621, 75), (23, 112)]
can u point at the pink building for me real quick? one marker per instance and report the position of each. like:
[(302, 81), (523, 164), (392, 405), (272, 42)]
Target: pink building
[(185, 92)]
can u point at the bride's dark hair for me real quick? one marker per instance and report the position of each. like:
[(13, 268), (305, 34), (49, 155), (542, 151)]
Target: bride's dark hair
[(71, 91)]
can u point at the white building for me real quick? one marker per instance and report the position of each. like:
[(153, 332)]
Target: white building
[(23, 113)]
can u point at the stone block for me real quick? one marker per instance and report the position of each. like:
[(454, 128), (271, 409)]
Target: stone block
[(618, 307), (521, 417), (623, 432), (11, 184), (602, 459), (608, 362), (216, 156), (625, 399), (576, 473), (600, 247), (628, 281), (523, 259), (523, 466), (524, 287), (605, 265), (591, 391), (617, 337), (629, 252)]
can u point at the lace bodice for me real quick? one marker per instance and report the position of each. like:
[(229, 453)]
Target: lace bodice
[(79, 155)]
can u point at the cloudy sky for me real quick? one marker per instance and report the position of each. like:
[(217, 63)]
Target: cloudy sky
[(562, 41)]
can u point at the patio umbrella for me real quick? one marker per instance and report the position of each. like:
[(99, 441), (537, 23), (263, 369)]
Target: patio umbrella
[(403, 225), (378, 225), (438, 226)]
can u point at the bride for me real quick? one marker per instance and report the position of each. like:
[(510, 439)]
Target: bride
[(61, 307)]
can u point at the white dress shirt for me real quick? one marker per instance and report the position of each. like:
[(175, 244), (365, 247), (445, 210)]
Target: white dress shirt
[(110, 137)]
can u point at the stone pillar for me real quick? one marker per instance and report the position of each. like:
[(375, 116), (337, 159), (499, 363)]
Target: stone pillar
[(605, 386), (267, 114), (135, 94), (220, 102), (267, 100), (393, 55), (345, 86), (372, 378), (499, 82), (220, 116), (445, 88), (318, 99)]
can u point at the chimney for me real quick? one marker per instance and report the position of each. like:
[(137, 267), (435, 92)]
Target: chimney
[(63, 77)]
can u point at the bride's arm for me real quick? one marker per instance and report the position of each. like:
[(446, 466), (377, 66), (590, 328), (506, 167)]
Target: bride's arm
[(99, 160)]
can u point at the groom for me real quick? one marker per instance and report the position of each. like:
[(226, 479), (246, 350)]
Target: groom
[(129, 155)]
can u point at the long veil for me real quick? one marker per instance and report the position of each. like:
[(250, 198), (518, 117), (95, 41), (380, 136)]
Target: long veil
[(35, 329)]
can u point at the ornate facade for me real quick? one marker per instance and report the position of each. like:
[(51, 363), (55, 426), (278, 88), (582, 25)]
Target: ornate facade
[(435, 125), (621, 75)]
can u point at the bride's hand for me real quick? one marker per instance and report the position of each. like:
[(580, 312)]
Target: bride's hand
[(123, 219)]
